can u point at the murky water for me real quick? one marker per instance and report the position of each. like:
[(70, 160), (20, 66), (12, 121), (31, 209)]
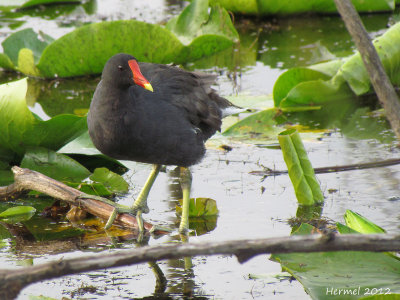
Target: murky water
[(250, 206)]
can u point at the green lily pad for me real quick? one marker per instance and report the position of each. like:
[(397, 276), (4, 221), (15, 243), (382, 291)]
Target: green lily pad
[(353, 273), (20, 129), (360, 223), (263, 122), (285, 7), (86, 49), (111, 180), (17, 214), (203, 33), (55, 165), (25, 38), (338, 79), (201, 207), (31, 3)]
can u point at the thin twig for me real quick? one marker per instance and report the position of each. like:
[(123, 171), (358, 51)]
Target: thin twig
[(333, 169)]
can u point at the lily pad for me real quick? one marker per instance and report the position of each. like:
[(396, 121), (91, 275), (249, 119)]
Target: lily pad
[(31, 3), (21, 129), (285, 7), (17, 214), (85, 50), (203, 33), (201, 207), (338, 79), (111, 180), (360, 223), (263, 122), (28, 39), (353, 273), (55, 165)]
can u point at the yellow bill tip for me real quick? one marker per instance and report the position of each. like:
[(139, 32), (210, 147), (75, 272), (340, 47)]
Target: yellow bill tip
[(148, 87)]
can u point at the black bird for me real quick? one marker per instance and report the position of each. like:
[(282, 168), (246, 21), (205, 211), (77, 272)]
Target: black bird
[(169, 125)]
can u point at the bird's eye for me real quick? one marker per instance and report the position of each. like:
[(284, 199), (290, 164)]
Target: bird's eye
[(120, 68)]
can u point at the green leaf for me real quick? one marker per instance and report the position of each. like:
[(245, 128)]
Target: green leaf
[(284, 7), (323, 272), (17, 214), (262, 122), (26, 63), (238, 6), (25, 38), (310, 86), (201, 207), (94, 188), (86, 49), (202, 33), (292, 78), (55, 165), (361, 224), (5, 62), (301, 172), (382, 297), (195, 21), (354, 72), (116, 183), (31, 3), (20, 129)]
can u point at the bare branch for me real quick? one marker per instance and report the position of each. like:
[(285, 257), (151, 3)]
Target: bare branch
[(379, 79), (27, 180), (333, 169), (12, 281)]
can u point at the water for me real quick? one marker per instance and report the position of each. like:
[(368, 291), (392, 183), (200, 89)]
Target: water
[(250, 206)]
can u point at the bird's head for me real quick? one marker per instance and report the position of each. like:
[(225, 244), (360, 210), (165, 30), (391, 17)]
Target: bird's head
[(123, 70)]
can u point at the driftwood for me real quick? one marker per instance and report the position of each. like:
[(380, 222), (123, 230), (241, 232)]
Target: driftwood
[(27, 180), (13, 281), (379, 79)]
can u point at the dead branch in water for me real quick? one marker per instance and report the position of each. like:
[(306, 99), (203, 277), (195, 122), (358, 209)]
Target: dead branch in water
[(333, 169), (379, 79), (28, 180), (13, 281)]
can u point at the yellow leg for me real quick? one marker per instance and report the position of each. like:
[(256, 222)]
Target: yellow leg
[(186, 183), (140, 205)]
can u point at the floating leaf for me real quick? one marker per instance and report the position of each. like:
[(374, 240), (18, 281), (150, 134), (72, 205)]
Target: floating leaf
[(20, 129), (301, 172), (26, 63), (31, 3), (323, 274), (203, 33), (285, 7), (55, 165), (354, 72), (17, 214), (262, 122), (200, 207), (111, 180), (338, 79), (86, 49), (25, 38), (361, 224)]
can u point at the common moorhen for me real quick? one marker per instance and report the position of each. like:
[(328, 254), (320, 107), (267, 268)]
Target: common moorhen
[(129, 120)]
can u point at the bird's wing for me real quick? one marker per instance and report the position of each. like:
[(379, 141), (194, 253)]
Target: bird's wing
[(190, 91)]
